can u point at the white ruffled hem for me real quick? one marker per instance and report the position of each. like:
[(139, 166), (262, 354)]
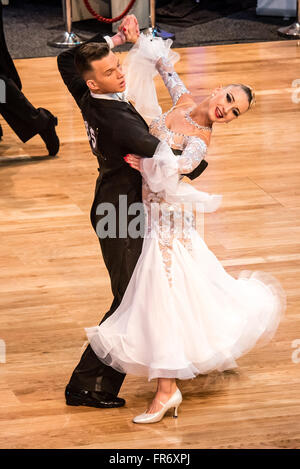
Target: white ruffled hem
[(204, 322)]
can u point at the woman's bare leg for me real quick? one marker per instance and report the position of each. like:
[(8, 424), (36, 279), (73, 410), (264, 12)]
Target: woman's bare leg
[(165, 388)]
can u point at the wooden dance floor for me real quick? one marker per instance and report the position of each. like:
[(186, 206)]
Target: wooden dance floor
[(54, 281)]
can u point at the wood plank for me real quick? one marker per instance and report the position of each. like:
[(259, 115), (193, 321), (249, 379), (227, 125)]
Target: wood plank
[(53, 280)]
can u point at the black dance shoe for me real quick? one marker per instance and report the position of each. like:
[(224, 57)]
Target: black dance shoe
[(49, 135), (1, 133), (102, 399)]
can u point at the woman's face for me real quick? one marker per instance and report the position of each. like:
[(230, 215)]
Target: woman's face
[(227, 104)]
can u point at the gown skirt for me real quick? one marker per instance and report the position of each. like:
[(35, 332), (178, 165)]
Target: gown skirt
[(203, 322)]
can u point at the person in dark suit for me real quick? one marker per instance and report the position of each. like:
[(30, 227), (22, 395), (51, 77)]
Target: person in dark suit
[(95, 79), (19, 113)]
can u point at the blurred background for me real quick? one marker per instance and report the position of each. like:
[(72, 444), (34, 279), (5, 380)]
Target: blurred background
[(30, 24)]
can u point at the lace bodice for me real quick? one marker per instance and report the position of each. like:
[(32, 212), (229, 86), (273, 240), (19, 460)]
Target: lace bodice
[(170, 220), (170, 217), (193, 148)]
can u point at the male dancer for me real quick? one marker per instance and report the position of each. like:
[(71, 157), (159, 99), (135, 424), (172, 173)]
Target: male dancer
[(19, 113), (94, 77)]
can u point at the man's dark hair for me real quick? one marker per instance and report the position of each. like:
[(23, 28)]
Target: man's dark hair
[(86, 53)]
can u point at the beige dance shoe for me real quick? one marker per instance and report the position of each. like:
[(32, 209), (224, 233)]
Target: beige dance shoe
[(174, 401)]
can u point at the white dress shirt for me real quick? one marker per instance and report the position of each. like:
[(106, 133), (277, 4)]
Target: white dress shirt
[(109, 41), (116, 96)]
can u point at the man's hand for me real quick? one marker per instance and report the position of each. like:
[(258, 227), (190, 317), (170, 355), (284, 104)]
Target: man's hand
[(128, 31), (134, 161), (130, 28)]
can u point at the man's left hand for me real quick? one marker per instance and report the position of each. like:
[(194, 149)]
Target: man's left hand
[(128, 31), (130, 28)]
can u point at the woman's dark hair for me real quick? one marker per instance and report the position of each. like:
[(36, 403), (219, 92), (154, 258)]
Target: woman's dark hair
[(88, 52)]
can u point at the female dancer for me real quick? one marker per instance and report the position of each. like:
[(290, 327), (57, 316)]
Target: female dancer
[(182, 314)]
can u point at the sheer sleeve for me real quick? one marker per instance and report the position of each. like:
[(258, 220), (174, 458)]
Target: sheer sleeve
[(192, 155), (174, 84), (140, 68)]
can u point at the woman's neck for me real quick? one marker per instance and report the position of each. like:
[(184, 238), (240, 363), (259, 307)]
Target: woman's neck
[(200, 113)]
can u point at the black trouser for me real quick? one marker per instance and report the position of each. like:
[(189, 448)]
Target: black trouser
[(120, 256), (25, 120)]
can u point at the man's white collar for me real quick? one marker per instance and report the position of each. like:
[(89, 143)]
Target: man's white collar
[(115, 96)]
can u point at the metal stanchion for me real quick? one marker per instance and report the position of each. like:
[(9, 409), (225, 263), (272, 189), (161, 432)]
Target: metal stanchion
[(156, 31), (292, 31), (67, 39)]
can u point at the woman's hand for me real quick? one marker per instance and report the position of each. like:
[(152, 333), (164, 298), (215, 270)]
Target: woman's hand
[(134, 161), (130, 28)]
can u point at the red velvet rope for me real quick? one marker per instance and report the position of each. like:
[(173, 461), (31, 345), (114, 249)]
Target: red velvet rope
[(108, 20)]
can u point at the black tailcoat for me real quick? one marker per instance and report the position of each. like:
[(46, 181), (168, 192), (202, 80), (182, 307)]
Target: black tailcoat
[(114, 129)]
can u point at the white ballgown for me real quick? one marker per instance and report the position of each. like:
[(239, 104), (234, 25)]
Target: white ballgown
[(182, 314)]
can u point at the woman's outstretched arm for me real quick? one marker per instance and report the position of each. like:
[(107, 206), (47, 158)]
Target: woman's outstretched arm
[(174, 84)]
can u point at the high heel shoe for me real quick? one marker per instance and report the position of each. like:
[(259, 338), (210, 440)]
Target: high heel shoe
[(174, 401)]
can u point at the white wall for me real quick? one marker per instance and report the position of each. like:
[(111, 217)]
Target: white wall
[(140, 10), (80, 12), (276, 7)]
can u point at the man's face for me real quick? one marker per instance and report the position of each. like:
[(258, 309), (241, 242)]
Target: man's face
[(107, 75)]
